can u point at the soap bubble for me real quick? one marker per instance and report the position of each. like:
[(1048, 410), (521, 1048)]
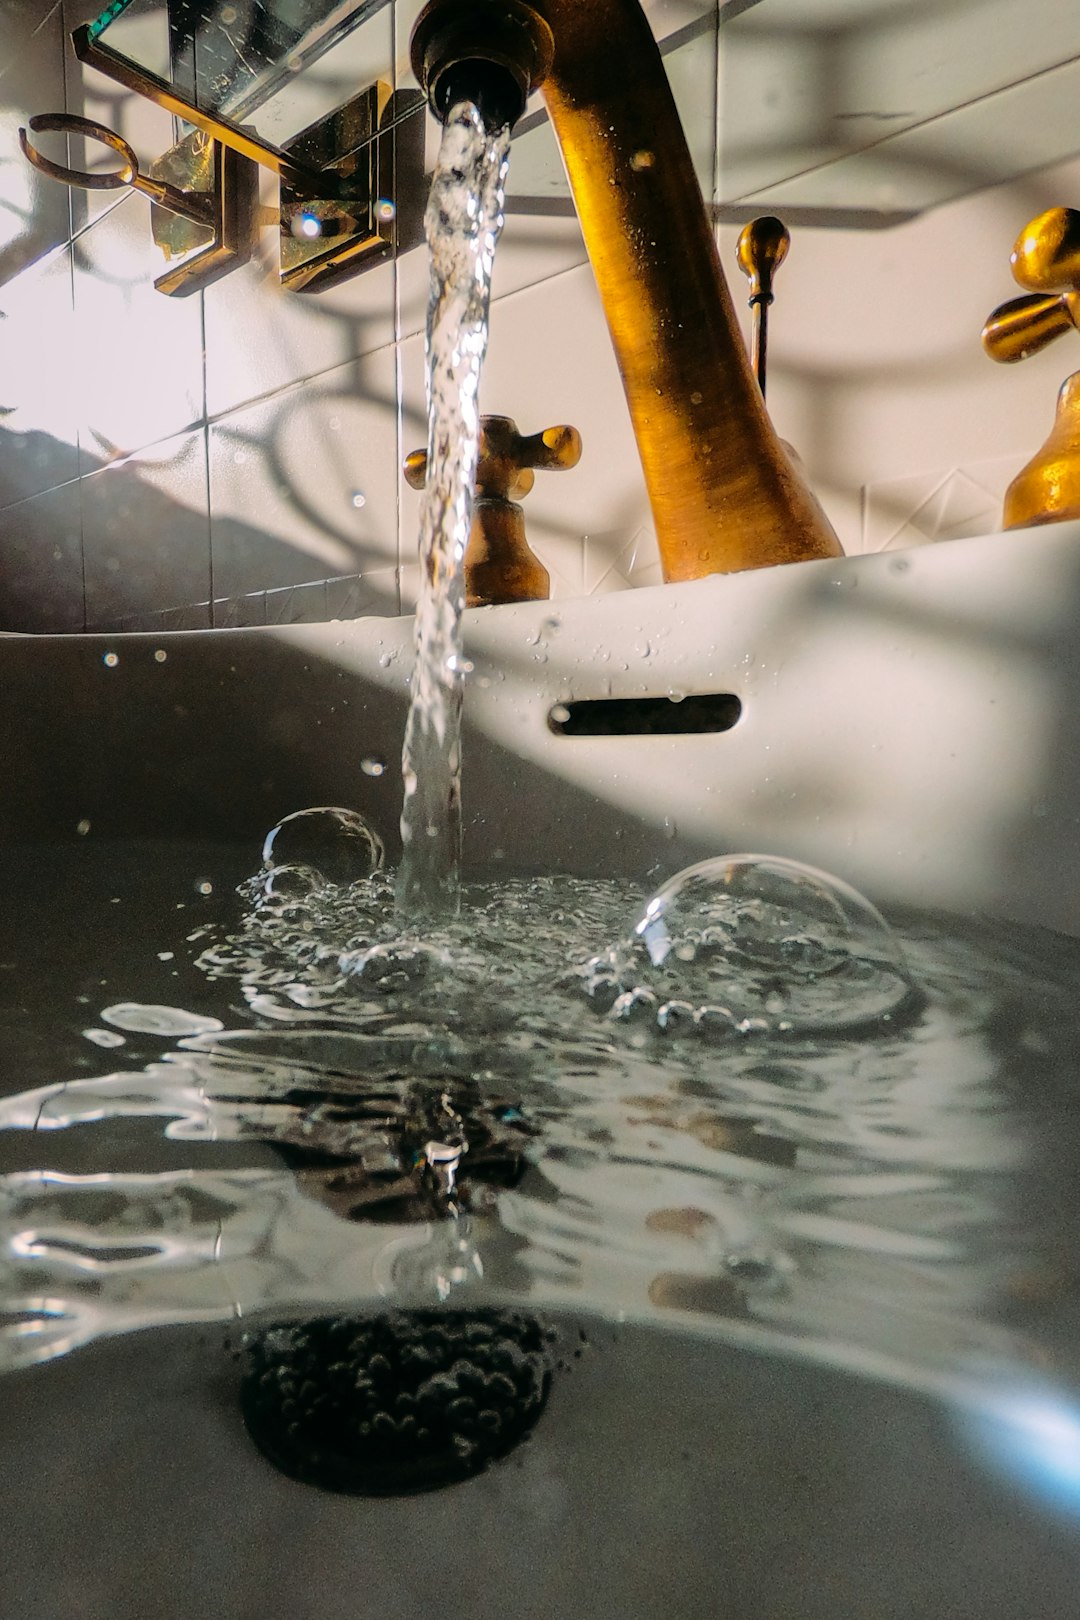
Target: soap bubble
[(752, 944), (337, 844)]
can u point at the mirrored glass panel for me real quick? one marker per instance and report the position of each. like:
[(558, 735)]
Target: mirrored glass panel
[(274, 68)]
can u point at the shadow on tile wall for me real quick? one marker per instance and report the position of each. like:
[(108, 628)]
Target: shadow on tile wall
[(233, 457), (227, 458)]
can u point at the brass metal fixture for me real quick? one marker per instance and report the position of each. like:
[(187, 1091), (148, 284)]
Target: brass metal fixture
[(356, 193), (761, 250), (1045, 260), (725, 494), (351, 184), (499, 565), (1047, 488), (200, 195)]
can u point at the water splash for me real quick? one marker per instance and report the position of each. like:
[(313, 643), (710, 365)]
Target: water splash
[(464, 220)]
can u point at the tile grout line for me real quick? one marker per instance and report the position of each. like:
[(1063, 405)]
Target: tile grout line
[(205, 434)]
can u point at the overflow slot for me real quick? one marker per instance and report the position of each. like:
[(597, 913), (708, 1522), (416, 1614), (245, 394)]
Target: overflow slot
[(645, 716)]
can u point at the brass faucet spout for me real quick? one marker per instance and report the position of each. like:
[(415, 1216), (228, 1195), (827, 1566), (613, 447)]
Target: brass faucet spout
[(725, 494)]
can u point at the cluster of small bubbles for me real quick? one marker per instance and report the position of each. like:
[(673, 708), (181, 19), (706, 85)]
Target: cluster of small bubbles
[(110, 660), (747, 945), (338, 844), (394, 965), (290, 882)]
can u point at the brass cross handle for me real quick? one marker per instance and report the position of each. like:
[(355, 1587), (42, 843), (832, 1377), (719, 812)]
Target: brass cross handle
[(507, 458), (499, 564), (199, 208), (1045, 260)]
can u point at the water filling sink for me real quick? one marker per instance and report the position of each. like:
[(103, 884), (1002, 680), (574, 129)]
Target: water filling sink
[(906, 722)]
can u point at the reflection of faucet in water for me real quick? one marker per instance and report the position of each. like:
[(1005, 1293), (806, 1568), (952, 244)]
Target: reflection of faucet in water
[(724, 492)]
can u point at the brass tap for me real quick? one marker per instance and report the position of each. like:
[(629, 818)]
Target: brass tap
[(1045, 260), (499, 564), (724, 492)]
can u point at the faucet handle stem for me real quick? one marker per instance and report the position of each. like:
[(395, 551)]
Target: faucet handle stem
[(761, 250)]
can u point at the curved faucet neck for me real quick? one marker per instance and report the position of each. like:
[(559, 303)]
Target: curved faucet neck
[(724, 493)]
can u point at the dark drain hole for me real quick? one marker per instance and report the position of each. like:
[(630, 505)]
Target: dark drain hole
[(645, 717)]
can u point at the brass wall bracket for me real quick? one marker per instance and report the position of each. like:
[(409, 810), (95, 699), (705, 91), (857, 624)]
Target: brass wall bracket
[(358, 206), (352, 185), (200, 195)]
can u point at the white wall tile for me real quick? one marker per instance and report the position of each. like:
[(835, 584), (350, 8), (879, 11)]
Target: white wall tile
[(34, 210), (41, 563), (39, 431), (139, 355), (146, 531), (303, 486), (260, 337), (374, 594)]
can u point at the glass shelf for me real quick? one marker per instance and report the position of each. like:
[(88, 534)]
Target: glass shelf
[(857, 111)]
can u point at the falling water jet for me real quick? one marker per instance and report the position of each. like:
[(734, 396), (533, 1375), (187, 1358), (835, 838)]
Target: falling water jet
[(464, 220)]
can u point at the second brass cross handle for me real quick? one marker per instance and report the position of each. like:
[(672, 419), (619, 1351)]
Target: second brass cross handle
[(1045, 260)]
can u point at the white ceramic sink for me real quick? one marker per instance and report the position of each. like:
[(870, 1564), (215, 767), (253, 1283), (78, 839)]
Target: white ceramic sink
[(909, 722)]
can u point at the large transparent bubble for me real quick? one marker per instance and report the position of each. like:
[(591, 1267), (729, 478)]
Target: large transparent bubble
[(337, 844), (744, 944)]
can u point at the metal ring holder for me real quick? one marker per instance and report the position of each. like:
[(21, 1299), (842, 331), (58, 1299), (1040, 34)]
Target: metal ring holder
[(214, 204), (196, 206)]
